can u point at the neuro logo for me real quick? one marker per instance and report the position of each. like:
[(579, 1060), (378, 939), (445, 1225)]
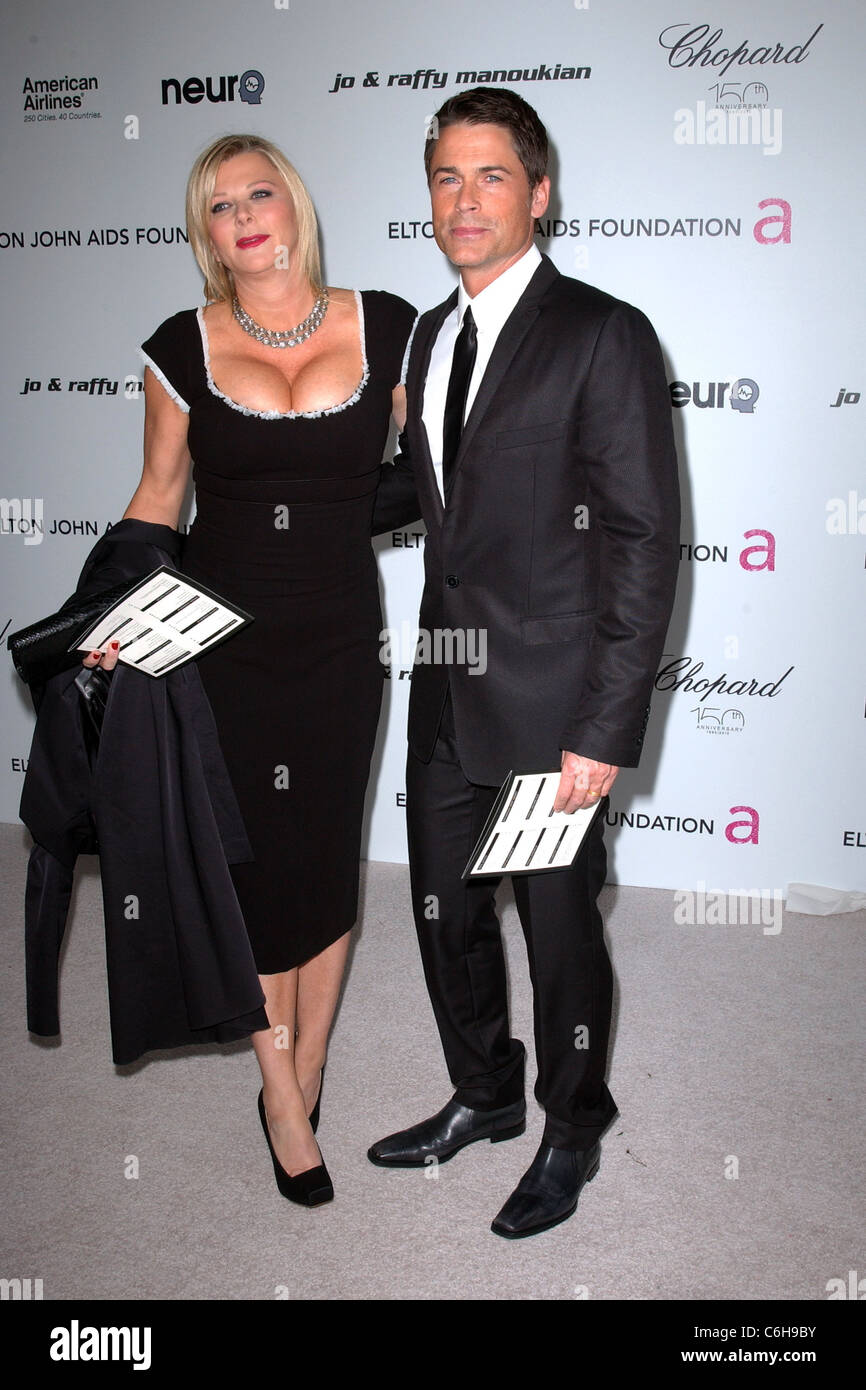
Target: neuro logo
[(227, 87), (744, 395), (251, 86)]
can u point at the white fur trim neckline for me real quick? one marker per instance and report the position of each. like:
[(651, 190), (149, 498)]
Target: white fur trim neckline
[(290, 414), (164, 381)]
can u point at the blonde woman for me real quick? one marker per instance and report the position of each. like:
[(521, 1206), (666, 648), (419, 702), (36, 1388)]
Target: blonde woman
[(279, 394)]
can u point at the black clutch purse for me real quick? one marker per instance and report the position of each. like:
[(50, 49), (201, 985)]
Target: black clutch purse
[(41, 650)]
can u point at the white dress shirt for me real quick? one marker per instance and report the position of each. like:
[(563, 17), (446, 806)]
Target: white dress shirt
[(490, 308)]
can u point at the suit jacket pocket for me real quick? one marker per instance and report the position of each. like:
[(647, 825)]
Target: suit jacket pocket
[(531, 434), (558, 627)]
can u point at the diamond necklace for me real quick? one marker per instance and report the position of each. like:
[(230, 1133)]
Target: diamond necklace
[(283, 338)]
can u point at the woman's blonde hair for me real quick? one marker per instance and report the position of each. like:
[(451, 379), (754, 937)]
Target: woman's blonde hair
[(218, 281)]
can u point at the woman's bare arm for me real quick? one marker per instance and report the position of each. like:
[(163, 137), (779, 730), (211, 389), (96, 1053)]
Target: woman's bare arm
[(164, 478), (159, 496)]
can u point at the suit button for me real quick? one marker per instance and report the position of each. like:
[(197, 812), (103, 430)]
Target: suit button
[(452, 581)]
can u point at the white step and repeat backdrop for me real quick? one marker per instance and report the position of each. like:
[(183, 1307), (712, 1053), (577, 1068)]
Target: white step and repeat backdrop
[(706, 169)]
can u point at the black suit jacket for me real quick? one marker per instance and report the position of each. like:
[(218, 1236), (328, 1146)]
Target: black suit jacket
[(573, 411)]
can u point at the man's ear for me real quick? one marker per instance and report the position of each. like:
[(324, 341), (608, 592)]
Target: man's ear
[(540, 197)]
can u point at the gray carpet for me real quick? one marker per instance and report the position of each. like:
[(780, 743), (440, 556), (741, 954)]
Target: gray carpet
[(731, 1049)]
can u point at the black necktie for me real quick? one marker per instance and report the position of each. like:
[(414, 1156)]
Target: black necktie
[(458, 388)]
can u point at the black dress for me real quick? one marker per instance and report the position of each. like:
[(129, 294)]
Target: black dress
[(283, 524)]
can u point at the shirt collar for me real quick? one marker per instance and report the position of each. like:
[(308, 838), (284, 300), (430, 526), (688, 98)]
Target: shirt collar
[(492, 305)]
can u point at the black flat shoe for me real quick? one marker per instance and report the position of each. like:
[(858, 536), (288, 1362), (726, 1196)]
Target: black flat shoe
[(445, 1133), (308, 1189), (314, 1113), (548, 1191)]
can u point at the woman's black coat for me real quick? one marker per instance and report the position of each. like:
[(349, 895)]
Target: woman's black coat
[(154, 801)]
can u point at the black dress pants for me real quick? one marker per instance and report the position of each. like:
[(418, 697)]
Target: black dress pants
[(464, 964)]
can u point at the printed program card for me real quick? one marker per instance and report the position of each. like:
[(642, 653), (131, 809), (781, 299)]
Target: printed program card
[(523, 834), (163, 622)]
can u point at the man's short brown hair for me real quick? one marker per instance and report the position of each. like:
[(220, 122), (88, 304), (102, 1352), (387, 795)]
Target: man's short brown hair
[(495, 106)]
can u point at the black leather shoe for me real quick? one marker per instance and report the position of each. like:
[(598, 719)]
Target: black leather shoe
[(548, 1191), (451, 1129), (310, 1188)]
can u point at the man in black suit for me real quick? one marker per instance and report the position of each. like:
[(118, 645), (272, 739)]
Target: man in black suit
[(539, 451)]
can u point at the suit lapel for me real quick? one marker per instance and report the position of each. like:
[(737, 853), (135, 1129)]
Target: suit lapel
[(416, 381), (514, 330)]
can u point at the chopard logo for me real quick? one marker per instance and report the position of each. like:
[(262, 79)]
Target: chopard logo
[(680, 674), (693, 45)]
